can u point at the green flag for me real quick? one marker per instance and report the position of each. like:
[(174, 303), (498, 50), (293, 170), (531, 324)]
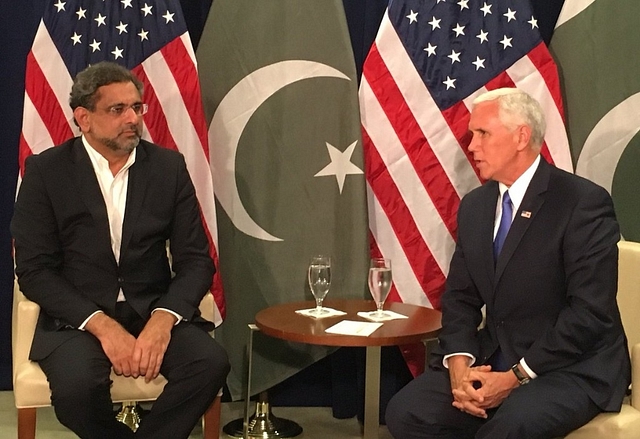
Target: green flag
[(280, 94), (596, 48)]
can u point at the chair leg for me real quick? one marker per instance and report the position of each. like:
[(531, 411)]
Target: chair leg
[(27, 423), (211, 420)]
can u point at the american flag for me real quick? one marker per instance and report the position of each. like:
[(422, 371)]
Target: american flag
[(150, 38), (430, 59)]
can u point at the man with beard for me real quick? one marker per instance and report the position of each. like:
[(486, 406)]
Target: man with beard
[(91, 224)]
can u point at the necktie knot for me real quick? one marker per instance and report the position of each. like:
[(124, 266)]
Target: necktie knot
[(505, 224)]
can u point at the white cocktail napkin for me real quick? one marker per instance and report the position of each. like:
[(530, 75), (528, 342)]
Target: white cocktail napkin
[(332, 313), (351, 327), (388, 315)]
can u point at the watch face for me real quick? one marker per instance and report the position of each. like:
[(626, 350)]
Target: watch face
[(522, 379)]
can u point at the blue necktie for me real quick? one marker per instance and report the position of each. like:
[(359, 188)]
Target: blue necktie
[(497, 360), (505, 224)]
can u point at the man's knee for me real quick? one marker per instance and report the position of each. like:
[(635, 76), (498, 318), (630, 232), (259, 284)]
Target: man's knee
[(517, 424), (77, 383), (81, 394), (206, 365), (83, 403), (216, 364), (395, 417), (512, 427)]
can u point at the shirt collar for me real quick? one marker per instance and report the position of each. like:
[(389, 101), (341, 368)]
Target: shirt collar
[(519, 187)]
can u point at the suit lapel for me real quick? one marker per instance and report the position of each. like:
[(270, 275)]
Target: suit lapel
[(486, 227), (531, 203), (89, 189), (136, 189)]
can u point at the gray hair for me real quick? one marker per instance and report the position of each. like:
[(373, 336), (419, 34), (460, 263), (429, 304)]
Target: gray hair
[(84, 92), (516, 107)]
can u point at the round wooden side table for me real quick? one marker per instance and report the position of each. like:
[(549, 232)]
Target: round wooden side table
[(281, 321)]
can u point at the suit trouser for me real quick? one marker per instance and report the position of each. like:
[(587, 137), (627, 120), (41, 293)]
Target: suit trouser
[(549, 406), (195, 366)]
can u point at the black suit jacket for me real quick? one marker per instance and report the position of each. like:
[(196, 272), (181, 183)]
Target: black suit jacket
[(64, 260), (551, 297)]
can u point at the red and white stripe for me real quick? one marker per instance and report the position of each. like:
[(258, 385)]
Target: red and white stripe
[(175, 119), (417, 164)]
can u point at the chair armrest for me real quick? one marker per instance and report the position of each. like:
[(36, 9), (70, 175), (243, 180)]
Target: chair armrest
[(207, 307), (24, 319), (635, 376)]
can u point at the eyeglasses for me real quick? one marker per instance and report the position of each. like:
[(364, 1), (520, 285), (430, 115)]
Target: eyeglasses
[(118, 110)]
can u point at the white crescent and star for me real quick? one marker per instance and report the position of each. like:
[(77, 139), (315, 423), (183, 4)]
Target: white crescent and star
[(231, 118)]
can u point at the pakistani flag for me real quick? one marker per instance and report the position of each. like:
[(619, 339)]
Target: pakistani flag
[(596, 48), (280, 95)]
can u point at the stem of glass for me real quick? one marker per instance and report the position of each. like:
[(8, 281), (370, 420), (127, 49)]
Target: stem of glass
[(318, 306)]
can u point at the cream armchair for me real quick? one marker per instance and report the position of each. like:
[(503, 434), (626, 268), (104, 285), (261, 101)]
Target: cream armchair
[(31, 389), (626, 424)]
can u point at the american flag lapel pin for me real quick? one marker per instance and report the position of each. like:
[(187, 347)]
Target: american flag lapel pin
[(525, 214)]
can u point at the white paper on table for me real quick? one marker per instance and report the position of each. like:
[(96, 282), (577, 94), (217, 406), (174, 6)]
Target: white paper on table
[(331, 313), (351, 327), (388, 315)]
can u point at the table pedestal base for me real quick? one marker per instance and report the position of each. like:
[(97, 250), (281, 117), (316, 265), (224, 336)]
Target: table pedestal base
[(263, 425)]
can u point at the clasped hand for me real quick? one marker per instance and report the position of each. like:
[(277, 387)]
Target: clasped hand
[(477, 389)]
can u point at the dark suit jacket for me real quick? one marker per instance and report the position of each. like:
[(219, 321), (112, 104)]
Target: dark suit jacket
[(551, 297), (64, 259)]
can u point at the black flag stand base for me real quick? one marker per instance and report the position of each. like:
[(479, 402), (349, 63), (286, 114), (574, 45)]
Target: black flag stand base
[(263, 424)]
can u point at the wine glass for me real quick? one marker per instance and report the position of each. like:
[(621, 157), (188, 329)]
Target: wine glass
[(380, 283), (319, 281)]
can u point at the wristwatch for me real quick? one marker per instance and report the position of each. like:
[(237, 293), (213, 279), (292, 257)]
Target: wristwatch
[(522, 379)]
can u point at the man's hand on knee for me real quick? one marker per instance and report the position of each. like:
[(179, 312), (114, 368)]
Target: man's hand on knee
[(152, 343), (117, 343)]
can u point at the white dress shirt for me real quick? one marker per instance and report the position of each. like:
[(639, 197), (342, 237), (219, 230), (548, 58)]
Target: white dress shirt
[(114, 192)]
